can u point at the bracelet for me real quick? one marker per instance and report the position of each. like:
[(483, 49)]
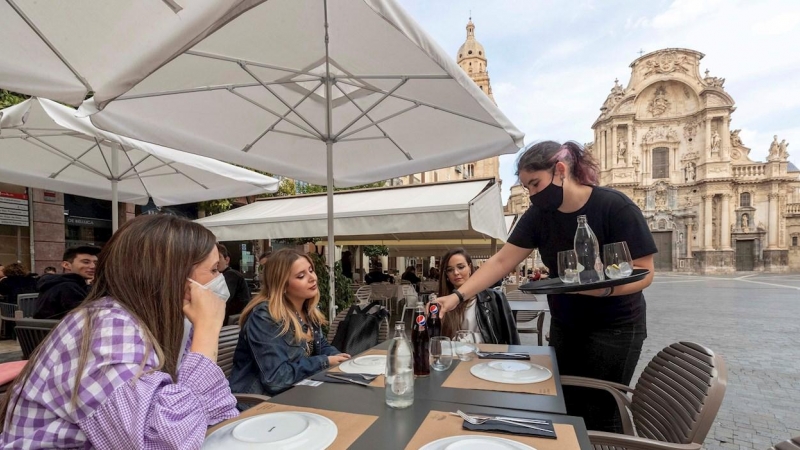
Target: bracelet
[(608, 292), (459, 295)]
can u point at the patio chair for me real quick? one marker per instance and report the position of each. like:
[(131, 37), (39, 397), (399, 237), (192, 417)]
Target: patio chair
[(791, 444), (27, 303), (531, 322), (228, 338), (31, 333), (383, 329), (233, 319), (673, 404), (363, 294), (7, 317)]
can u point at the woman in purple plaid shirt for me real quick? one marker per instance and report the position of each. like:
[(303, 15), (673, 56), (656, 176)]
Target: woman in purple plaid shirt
[(109, 375)]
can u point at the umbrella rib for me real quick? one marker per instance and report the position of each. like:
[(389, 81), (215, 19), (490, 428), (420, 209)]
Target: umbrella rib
[(407, 155), (294, 134), (429, 105), (223, 87), (376, 122), (133, 167), (50, 45), (363, 139), (163, 164), (100, 148), (180, 172), (280, 119), (173, 5), (363, 112), (251, 63), (49, 148), (58, 172), (280, 99), (39, 135), (396, 77), (276, 114)]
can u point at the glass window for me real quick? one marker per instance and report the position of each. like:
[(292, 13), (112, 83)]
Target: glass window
[(744, 199), (660, 163)]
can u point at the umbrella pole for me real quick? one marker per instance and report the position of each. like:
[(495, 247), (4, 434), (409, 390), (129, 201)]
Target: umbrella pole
[(329, 158), (114, 193)]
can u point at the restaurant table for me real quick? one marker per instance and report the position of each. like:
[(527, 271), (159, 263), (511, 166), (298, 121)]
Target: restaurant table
[(430, 388), (395, 428)]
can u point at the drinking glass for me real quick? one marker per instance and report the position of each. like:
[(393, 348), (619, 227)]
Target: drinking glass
[(441, 353), (617, 259), (568, 266), (466, 346)]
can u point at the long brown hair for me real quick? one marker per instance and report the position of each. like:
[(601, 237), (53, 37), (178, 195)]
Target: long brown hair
[(144, 267), (451, 322), (273, 292)]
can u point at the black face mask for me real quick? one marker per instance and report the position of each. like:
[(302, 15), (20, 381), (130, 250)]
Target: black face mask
[(549, 198)]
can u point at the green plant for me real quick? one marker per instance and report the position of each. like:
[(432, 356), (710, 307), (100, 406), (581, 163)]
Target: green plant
[(344, 296), (373, 251)]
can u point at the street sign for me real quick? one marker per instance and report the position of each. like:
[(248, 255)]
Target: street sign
[(14, 209)]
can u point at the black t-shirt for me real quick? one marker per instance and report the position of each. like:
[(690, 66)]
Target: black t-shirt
[(613, 217)]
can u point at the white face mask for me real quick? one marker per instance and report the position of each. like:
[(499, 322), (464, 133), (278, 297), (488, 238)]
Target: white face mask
[(220, 289)]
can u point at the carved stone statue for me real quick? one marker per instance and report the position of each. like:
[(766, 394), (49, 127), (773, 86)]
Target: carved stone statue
[(745, 221), (774, 149), (736, 141), (782, 153), (715, 142), (622, 149), (690, 171), (659, 104), (713, 81), (589, 147)]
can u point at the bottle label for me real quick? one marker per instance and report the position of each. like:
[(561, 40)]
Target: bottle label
[(421, 321), (433, 309)]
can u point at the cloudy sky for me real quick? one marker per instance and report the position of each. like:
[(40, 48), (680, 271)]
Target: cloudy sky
[(552, 63)]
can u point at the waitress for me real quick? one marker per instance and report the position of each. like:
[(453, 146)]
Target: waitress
[(598, 333)]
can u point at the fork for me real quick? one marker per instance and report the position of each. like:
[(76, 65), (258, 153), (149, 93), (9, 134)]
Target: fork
[(512, 419), (482, 420)]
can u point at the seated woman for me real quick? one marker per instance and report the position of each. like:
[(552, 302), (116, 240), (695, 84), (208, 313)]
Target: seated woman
[(111, 372), (281, 341), (487, 314)]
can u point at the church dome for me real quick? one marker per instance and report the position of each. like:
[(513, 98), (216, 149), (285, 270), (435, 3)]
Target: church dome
[(471, 48)]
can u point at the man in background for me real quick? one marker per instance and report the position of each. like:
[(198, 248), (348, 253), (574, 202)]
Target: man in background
[(237, 285), (60, 294), (50, 270)]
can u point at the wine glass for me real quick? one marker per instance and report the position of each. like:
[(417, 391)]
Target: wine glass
[(466, 346), (441, 353), (568, 266), (617, 260)]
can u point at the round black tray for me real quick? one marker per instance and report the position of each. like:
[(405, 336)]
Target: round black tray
[(556, 286)]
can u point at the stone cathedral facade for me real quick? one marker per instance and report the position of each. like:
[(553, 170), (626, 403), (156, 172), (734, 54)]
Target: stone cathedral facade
[(667, 141)]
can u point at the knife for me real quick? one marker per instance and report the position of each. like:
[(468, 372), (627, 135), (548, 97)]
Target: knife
[(337, 377)]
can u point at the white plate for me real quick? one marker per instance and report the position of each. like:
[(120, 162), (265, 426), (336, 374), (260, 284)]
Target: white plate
[(511, 372), (370, 364), (472, 442), (281, 430)]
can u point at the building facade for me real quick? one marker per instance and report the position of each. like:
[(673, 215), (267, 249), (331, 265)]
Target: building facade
[(667, 142), (472, 59)]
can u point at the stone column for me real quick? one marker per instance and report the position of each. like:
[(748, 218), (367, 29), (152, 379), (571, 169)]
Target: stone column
[(689, 238), (772, 229), (708, 137), (707, 217), (700, 221), (628, 156), (725, 138), (725, 223), (49, 239), (613, 146)]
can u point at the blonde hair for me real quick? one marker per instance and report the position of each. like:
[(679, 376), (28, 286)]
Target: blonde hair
[(273, 292)]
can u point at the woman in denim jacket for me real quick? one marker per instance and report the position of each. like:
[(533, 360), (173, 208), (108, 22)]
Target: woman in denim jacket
[(281, 341)]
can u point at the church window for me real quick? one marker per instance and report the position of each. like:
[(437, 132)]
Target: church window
[(460, 55), (744, 199), (660, 163), (480, 53), (469, 52), (794, 241)]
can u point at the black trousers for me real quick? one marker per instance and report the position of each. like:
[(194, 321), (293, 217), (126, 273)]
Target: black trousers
[(607, 354)]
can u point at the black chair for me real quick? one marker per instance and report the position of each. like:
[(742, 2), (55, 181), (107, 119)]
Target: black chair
[(228, 337), (7, 311), (27, 303), (31, 333)]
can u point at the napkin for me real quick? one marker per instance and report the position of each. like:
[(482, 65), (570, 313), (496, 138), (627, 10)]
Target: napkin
[(505, 427), (323, 376), (501, 355)]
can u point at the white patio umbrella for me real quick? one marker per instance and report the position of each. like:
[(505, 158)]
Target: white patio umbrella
[(66, 50), (43, 145), (338, 93)]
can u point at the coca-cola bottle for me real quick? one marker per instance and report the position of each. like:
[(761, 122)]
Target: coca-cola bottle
[(419, 343), (434, 321)]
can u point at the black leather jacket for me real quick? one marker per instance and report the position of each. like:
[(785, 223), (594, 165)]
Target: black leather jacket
[(495, 319)]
